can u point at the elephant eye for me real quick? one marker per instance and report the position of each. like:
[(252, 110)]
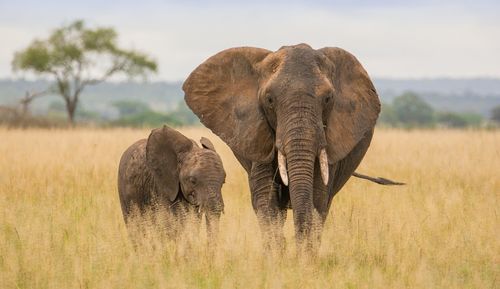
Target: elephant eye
[(269, 99), (192, 180), (328, 98)]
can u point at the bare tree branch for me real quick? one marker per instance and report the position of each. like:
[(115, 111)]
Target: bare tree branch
[(28, 98)]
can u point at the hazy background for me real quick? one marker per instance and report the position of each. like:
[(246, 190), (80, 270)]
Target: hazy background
[(446, 52), (395, 39)]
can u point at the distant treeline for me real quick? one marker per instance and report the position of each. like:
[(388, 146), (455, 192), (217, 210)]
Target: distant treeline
[(409, 110), (130, 113), (137, 114), (454, 95)]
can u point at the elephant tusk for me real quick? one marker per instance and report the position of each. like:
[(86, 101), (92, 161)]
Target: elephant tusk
[(323, 164), (282, 168)]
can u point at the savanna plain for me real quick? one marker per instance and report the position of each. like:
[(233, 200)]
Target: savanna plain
[(61, 224)]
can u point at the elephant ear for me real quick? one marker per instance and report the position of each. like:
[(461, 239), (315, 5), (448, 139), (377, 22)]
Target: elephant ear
[(163, 150), (356, 104), (206, 143), (222, 92)]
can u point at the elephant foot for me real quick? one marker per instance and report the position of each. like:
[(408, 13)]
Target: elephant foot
[(307, 250), (272, 235), (309, 242), (275, 244)]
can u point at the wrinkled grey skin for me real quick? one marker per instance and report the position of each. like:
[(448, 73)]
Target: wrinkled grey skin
[(170, 172), (299, 120)]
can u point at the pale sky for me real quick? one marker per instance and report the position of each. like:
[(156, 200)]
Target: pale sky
[(393, 39)]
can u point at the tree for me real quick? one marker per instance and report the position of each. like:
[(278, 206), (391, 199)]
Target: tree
[(411, 110), (451, 119), (27, 99), (77, 56), (459, 119), (388, 115), (495, 114)]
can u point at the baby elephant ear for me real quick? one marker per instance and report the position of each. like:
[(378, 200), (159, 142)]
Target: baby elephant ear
[(163, 149), (206, 143)]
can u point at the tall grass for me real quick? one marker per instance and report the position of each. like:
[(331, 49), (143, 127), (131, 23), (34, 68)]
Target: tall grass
[(61, 224)]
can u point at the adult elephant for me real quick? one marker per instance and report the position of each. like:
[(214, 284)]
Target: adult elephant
[(310, 113)]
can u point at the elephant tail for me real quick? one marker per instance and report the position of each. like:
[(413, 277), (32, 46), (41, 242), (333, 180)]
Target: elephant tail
[(378, 180)]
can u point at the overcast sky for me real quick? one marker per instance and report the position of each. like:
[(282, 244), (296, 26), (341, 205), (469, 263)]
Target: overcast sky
[(393, 39)]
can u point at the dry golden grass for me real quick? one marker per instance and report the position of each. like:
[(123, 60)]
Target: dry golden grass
[(61, 224)]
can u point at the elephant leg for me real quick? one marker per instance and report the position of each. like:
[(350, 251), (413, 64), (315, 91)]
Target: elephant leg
[(271, 214), (321, 201), (340, 172)]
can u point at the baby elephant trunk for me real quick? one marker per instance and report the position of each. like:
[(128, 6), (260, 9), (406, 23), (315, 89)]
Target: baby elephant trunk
[(213, 209)]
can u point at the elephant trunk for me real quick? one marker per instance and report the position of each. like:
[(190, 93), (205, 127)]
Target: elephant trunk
[(303, 142), (301, 169), (323, 162), (212, 222), (213, 208)]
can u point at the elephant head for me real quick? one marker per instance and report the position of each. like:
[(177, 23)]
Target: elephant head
[(298, 105), (178, 165)]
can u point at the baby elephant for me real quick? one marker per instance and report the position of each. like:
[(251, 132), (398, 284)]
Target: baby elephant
[(170, 172)]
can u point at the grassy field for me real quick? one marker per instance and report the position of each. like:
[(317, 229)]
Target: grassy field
[(61, 224)]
